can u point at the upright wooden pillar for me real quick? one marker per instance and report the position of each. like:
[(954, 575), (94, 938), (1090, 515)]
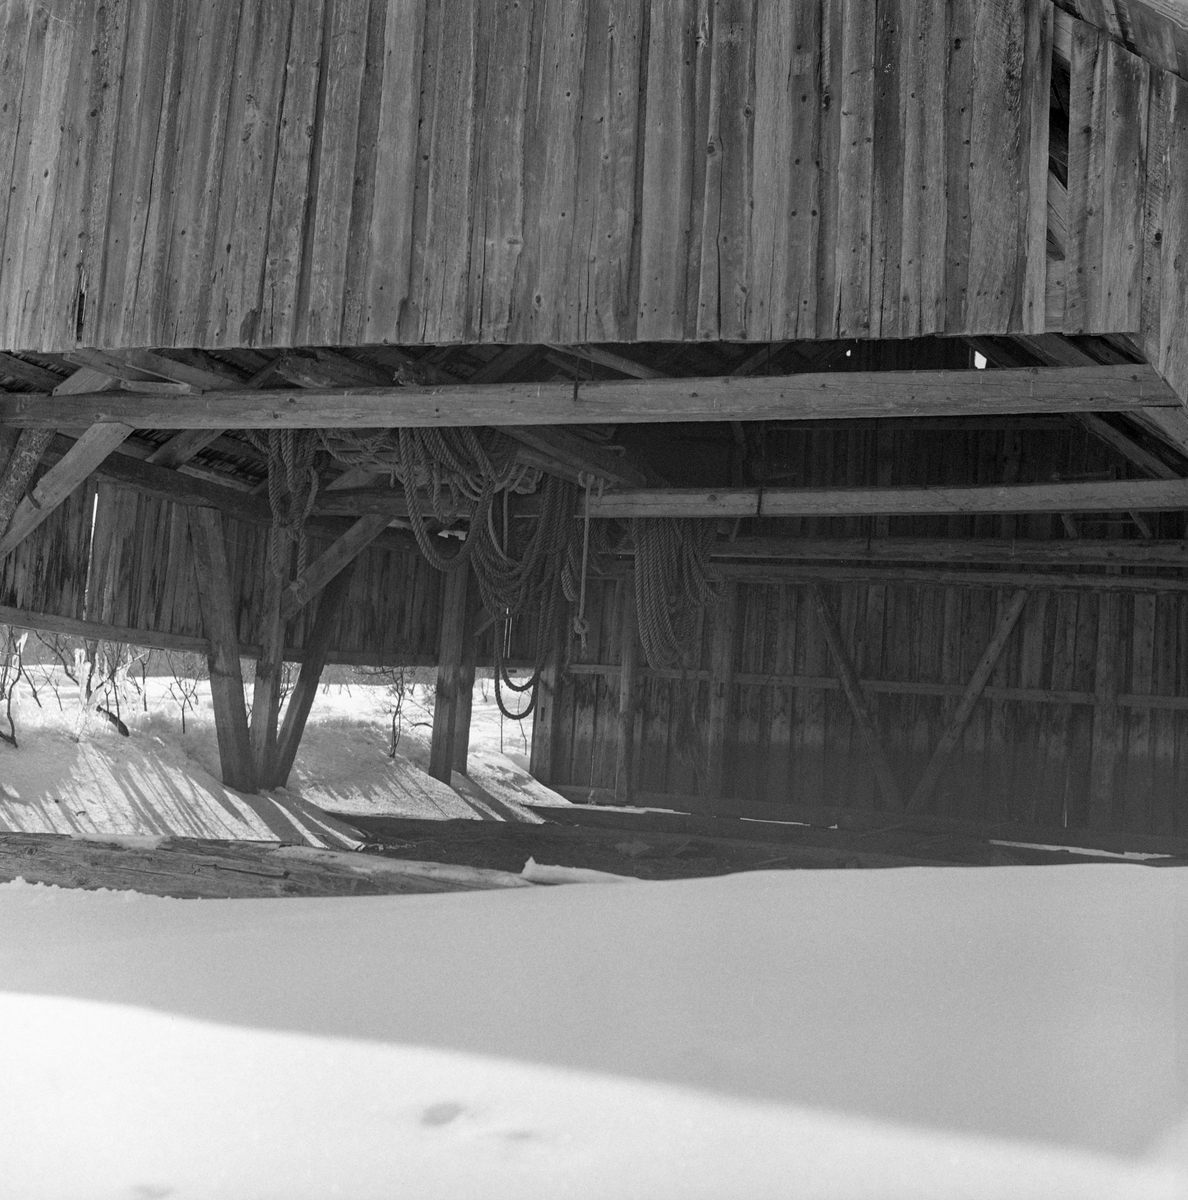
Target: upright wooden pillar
[(266, 694), (466, 674), (546, 716), (16, 470), (628, 658), (449, 673), (721, 676), (215, 599), (1107, 724), (317, 648)]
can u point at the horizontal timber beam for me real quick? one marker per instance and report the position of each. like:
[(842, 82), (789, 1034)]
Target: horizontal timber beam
[(1078, 552), (887, 573), (181, 643), (808, 396), (889, 687), (1116, 495)]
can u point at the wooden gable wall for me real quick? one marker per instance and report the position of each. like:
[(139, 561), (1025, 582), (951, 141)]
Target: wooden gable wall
[(230, 173)]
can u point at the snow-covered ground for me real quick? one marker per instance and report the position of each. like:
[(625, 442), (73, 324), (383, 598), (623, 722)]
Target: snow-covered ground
[(1003, 1032), (74, 773), (1006, 1032)]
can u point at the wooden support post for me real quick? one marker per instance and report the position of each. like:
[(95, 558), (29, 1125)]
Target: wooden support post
[(628, 659), (849, 681), (325, 626), (266, 694), (1107, 725), (466, 673), (213, 580), (57, 484), (970, 697), (449, 670), (546, 716), (721, 673), (8, 440), (17, 471)]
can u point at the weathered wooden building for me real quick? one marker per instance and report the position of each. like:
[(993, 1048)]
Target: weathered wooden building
[(889, 297)]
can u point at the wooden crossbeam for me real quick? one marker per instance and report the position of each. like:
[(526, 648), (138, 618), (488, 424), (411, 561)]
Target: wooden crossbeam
[(809, 396), (858, 706), (1120, 495), (183, 446), (335, 559), (116, 369), (563, 453), (202, 377), (970, 697), (1131, 450), (1083, 552), (28, 373), (60, 481), (607, 358)]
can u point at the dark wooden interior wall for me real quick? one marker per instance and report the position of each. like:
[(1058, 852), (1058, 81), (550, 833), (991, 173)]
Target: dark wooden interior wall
[(135, 572), (1079, 660), (1090, 685), (226, 172)]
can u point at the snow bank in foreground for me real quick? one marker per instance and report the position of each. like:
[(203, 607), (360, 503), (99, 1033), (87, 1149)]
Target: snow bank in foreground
[(920, 1032), (106, 1101)]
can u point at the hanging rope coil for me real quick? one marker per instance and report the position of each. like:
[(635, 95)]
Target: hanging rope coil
[(520, 568), (673, 581), (292, 489)]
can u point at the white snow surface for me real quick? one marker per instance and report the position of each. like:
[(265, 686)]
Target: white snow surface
[(74, 774), (1008, 1032)]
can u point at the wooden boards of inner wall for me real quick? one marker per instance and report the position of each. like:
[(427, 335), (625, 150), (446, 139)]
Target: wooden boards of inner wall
[(223, 173)]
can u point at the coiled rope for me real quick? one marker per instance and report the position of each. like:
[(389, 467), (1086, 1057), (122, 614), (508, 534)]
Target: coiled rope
[(462, 470), (673, 582), (291, 455)]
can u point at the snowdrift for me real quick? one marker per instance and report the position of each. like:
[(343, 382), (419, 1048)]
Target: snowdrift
[(1005, 1032)]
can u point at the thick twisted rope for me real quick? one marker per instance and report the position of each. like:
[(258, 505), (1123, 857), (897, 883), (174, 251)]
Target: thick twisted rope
[(451, 472), (292, 489), (672, 583)]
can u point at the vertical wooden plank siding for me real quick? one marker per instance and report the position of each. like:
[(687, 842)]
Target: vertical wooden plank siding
[(926, 119), (1107, 169), (672, 155), (852, 299), (386, 282), (725, 241), (333, 171), (291, 196), (721, 671), (999, 163), (1173, 345), (1037, 87), (1119, 299), (889, 174), (360, 171), (786, 156)]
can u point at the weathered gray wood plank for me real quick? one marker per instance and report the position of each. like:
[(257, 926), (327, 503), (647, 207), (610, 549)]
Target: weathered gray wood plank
[(810, 396)]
